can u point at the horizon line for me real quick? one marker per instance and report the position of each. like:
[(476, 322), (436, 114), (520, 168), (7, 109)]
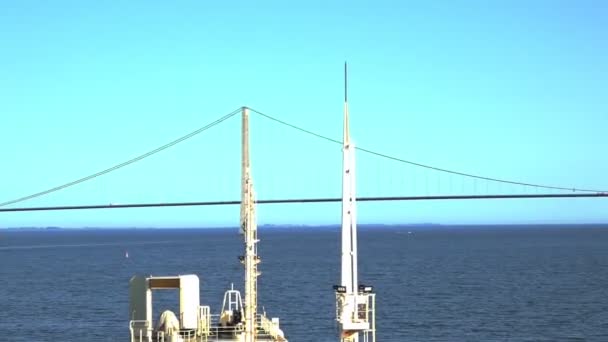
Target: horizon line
[(288, 226)]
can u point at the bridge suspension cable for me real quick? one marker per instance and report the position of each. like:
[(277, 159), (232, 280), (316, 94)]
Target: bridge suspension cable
[(128, 162), (429, 167), (267, 116)]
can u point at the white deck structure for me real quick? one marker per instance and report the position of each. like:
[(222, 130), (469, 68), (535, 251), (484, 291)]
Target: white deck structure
[(194, 322)]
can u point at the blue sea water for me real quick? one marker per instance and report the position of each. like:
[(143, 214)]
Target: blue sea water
[(532, 283)]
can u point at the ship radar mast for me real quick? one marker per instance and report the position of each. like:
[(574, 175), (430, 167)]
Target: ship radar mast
[(249, 230), (355, 304), (237, 321)]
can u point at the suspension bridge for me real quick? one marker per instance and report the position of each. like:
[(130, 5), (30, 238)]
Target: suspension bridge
[(529, 190)]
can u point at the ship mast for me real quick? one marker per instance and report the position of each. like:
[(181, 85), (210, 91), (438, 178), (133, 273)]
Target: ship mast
[(355, 303), (349, 221), (249, 230)]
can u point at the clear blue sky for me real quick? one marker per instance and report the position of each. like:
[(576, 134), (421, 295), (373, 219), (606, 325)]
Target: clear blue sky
[(506, 89)]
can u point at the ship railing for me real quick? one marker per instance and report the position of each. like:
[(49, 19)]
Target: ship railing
[(209, 325), (270, 327), (184, 335), (188, 335), (204, 320), (140, 331), (214, 319), (213, 327)]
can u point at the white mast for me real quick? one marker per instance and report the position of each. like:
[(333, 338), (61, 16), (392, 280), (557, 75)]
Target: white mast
[(249, 229), (355, 306), (349, 218)]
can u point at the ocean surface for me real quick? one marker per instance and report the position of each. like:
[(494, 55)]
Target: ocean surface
[(525, 283)]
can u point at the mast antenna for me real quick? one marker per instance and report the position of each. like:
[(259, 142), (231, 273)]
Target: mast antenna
[(345, 83)]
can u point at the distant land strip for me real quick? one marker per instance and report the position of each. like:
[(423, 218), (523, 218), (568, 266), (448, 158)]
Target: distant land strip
[(302, 200)]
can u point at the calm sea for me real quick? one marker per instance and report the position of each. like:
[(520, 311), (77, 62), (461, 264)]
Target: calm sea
[(434, 284)]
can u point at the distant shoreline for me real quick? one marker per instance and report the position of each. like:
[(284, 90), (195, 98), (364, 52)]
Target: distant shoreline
[(414, 226)]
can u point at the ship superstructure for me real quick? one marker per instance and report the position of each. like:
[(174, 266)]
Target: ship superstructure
[(239, 320)]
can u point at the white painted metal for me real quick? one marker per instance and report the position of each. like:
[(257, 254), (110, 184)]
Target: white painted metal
[(209, 327), (352, 306), (232, 300), (141, 298), (249, 227), (140, 301), (189, 301), (349, 227), (349, 224)]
